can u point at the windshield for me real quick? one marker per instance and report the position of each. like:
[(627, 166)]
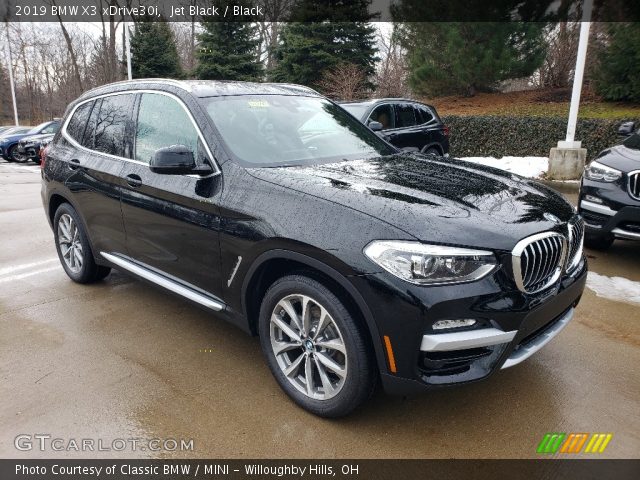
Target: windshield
[(355, 109), (276, 130)]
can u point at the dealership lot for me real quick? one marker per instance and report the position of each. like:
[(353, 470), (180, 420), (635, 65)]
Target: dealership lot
[(121, 359)]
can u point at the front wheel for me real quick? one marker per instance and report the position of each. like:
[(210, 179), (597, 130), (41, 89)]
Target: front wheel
[(73, 247), (314, 347), (13, 155)]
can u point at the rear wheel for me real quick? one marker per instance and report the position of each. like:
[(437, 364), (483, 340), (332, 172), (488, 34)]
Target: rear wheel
[(432, 151), (598, 242), (73, 247), (314, 347)]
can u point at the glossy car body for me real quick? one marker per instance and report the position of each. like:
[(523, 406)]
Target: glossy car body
[(406, 124), (9, 143), (222, 238), (611, 207)]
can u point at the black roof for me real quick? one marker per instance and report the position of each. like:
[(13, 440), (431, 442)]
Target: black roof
[(207, 88)]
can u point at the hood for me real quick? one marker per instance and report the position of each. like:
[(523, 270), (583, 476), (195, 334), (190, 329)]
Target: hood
[(11, 138), (624, 157), (435, 200)]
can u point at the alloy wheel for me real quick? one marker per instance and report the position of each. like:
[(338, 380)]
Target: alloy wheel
[(308, 346), (70, 244)]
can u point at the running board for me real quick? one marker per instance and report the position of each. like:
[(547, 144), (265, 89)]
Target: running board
[(164, 282)]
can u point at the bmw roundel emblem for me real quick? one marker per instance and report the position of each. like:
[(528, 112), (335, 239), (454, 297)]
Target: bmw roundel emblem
[(551, 217)]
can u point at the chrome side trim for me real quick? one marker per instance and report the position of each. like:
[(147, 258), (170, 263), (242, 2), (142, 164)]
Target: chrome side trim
[(484, 337), (525, 351), (235, 270), (619, 232), (164, 282), (594, 207)]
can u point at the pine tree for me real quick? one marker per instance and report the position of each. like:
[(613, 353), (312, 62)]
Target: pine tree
[(154, 52), (325, 34), (465, 57), (617, 76), (228, 51)]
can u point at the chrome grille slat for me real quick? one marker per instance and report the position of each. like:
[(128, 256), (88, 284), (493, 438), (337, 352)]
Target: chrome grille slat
[(539, 260), (634, 184), (576, 238)]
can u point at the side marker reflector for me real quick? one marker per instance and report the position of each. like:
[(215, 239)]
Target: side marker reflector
[(390, 357)]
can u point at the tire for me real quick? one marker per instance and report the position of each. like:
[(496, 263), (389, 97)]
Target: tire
[(72, 245), (334, 391), (432, 151), (598, 242), (12, 155)]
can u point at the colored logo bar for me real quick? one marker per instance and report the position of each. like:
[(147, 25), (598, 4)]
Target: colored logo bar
[(574, 443)]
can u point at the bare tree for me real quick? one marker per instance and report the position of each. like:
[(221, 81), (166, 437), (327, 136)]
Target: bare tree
[(562, 45), (72, 53), (344, 82), (392, 72)]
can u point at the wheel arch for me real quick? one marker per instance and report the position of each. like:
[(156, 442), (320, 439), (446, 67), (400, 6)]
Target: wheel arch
[(274, 264), (435, 145)]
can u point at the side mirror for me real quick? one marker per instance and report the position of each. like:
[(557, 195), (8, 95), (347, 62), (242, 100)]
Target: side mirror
[(375, 126), (173, 160), (626, 128)]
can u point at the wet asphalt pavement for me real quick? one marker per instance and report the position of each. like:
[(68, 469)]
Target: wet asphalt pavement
[(121, 359)]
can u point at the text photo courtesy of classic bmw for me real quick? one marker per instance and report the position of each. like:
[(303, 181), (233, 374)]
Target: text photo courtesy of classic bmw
[(354, 262)]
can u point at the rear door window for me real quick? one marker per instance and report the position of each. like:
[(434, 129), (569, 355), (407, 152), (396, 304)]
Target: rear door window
[(108, 126), (78, 122), (405, 115)]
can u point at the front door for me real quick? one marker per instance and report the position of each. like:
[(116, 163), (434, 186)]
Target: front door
[(172, 221)]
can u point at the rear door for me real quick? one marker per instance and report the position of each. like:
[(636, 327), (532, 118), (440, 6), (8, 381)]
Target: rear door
[(172, 221), (432, 129), (406, 133), (96, 143)]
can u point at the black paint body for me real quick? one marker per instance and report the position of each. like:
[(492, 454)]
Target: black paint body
[(231, 233)]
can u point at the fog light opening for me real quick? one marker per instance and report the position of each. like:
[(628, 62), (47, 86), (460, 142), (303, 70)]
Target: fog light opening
[(591, 198), (447, 324)]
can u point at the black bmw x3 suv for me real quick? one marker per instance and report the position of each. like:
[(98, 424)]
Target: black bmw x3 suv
[(275, 208)]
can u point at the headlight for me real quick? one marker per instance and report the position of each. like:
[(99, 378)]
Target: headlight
[(601, 173), (430, 264)]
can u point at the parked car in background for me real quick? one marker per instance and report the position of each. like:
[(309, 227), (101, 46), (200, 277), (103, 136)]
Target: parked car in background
[(406, 124), (29, 147), (353, 261), (609, 200), (13, 130), (9, 142)]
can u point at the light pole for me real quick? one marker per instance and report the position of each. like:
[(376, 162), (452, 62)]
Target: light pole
[(11, 82), (567, 160), (127, 41)]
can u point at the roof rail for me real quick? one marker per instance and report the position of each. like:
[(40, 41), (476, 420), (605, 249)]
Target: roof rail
[(177, 83), (295, 86)]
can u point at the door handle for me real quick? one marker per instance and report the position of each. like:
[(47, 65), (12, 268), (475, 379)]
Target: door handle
[(133, 180), (74, 164)]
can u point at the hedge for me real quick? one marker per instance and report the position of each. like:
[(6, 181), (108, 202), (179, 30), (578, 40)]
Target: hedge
[(499, 136)]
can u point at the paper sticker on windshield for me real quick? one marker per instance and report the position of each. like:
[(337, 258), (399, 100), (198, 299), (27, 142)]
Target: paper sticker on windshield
[(258, 103)]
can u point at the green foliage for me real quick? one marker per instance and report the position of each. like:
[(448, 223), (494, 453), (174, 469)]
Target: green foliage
[(228, 51), (153, 51), (499, 136), (465, 57), (323, 35), (618, 73)]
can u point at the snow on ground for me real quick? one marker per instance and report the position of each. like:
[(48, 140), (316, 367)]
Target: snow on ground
[(532, 167), (614, 288)]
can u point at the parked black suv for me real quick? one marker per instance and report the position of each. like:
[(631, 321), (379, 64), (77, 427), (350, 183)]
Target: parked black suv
[(404, 123), (609, 198), (275, 208)]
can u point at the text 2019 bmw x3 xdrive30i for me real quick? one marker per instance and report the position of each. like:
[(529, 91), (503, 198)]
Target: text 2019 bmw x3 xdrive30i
[(277, 209)]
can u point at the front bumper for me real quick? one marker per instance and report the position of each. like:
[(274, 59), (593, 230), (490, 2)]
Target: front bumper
[(617, 213), (512, 326)]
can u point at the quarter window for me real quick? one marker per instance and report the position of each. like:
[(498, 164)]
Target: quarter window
[(405, 116), (78, 122), (423, 114), (162, 122)]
